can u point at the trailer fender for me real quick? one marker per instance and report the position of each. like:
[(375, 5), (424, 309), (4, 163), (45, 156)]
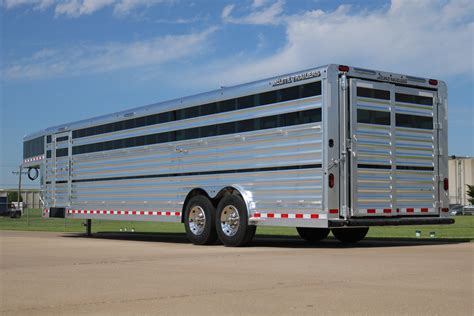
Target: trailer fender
[(215, 193), (191, 194), (246, 195)]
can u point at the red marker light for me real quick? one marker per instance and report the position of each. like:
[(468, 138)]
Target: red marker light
[(433, 82), (331, 180), (446, 184), (343, 68)]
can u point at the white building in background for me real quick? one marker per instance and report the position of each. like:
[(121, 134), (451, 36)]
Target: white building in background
[(31, 197), (461, 173)]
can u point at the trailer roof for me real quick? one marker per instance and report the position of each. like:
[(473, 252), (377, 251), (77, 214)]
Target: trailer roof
[(217, 95)]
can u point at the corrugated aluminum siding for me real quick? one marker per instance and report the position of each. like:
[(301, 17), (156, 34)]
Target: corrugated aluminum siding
[(415, 147), (373, 148), (291, 191), (394, 169), (56, 173)]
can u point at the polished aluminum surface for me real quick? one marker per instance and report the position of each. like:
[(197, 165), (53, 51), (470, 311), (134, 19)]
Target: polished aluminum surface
[(392, 191), (281, 191), (230, 220), (291, 191), (197, 220)]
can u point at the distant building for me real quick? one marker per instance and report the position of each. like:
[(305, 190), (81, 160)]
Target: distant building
[(3, 201), (461, 173), (30, 197)]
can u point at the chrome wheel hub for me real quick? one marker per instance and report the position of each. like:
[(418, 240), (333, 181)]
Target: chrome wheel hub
[(197, 220), (230, 220)]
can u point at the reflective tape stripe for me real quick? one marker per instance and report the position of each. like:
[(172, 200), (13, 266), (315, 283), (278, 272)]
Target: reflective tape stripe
[(116, 212), (35, 158), (398, 210), (289, 215)]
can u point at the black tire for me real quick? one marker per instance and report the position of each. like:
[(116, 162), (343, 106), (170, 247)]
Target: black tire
[(313, 234), (350, 235), (15, 214), (208, 234), (243, 233)]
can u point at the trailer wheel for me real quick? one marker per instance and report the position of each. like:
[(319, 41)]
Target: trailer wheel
[(350, 235), (312, 234), (199, 221), (232, 223)]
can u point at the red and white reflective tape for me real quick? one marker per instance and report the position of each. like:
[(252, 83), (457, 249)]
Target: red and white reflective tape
[(117, 212), (35, 158), (417, 210), (45, 212), (377, 211), (289, 215), (398, 210)]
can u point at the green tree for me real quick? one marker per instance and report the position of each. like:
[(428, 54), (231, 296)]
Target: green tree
[(470, 193), (12, 196)]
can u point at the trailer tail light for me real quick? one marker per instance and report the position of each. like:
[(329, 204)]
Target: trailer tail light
[(446, 184), (331, 180), (343, 68), (433, 82)]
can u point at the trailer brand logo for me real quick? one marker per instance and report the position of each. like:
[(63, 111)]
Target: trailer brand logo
[(392, 79), (296, 78)]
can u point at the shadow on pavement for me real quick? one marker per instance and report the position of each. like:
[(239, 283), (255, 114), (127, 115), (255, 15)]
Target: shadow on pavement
[(274, 240)]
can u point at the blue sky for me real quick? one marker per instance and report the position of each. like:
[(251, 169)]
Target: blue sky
[(73, 59)]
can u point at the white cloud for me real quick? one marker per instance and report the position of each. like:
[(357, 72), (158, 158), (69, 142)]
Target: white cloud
[(266, 15), (258, 3), (125, 6), (37, 4), (417, 37), (227, 11), (424, 37), (77, 8), (43, 4), (113, 56)]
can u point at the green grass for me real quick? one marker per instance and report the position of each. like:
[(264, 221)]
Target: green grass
[(462, 229), (34, 222)]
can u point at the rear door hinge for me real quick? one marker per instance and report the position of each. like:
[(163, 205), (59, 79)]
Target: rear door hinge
[(437, 125), (344, 83), (349, 144)]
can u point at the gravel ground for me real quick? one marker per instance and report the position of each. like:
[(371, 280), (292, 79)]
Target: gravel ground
[(113, 274)]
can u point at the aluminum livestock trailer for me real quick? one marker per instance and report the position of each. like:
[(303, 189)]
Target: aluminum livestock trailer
[(331, 148)]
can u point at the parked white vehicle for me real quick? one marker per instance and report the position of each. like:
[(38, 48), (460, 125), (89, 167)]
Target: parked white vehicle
[(15, 205), (334, 147), (468, 210)]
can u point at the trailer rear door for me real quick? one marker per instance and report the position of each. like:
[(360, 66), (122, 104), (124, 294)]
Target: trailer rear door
[(394, 163), (58, 176)]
